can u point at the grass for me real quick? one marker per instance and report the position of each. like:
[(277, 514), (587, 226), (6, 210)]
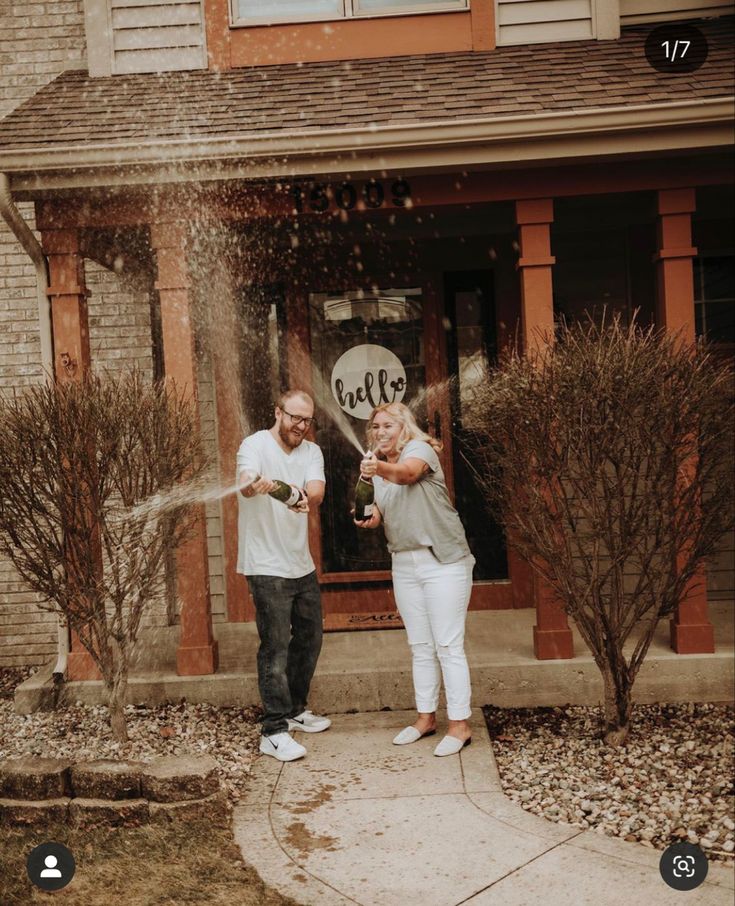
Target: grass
[(150, 865)]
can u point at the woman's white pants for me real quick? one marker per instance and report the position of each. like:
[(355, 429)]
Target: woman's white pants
[(432, 599)]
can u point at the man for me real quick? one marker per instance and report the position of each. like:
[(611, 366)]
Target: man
[(273, 552)]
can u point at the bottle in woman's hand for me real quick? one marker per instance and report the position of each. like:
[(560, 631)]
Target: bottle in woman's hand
[(364, 498)]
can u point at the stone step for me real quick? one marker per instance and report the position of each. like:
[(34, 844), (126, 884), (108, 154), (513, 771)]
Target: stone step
[(41, 813), (179, 778), (215, 810), (107, 779), (89, 813), (29, 777)]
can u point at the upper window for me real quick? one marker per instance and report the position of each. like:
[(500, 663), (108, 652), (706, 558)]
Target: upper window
[(255, 12)]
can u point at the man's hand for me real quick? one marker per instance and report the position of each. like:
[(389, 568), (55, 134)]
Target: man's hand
[(249, 488), (303, 505), (263, 486)]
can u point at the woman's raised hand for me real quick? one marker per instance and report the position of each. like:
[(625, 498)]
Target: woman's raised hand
[(369, 465)]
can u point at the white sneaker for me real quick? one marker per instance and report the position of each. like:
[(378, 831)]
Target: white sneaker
[(282, 746), (309, 723)]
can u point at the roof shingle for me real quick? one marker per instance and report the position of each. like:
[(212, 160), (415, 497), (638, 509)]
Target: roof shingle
[(75, 110)]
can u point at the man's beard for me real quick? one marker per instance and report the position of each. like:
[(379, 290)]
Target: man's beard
[(285, 436)]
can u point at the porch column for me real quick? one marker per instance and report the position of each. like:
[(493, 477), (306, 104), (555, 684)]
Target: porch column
[(70, 326), (691, 630), (552, 637), (197, 653)]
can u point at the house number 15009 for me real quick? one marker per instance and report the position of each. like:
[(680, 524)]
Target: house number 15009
[(347, 195)]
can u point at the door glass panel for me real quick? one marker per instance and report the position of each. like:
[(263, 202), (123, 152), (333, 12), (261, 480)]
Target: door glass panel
[(367, 348), (472, 345)]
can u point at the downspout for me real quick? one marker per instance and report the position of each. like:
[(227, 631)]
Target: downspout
[(23, 233)]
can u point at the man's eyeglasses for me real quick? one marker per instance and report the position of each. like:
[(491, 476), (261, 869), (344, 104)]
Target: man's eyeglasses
[(300, 420)]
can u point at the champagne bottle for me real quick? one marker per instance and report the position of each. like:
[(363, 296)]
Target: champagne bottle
[(286, 493), (364, 497)]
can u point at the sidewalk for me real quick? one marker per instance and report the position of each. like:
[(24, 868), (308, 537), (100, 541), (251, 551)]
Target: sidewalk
[(360, 821)]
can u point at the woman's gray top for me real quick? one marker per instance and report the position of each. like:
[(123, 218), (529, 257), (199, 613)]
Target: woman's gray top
[(421, 514)]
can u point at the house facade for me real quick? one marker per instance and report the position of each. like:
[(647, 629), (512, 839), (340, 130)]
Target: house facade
[(364, 198)]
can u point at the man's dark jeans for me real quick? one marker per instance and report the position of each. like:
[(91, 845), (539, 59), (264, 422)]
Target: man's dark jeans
[(288, 614)]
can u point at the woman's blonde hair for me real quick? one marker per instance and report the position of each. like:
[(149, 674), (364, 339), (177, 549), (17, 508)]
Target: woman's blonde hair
[(410, 430)]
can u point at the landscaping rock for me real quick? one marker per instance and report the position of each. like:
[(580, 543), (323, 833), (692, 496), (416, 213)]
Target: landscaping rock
[(18, 812), (107, 779), (669, 782), (82, 733), (176, 779), (88, 813), (34, 778), (215, 809)]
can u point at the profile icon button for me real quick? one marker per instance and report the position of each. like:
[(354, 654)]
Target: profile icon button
[(683, 866), (50, 866)]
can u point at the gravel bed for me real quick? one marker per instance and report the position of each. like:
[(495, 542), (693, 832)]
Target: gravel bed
[(82, 733), (10, 677), (671, 782)]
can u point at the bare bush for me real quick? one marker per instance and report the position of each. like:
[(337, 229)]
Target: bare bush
[(80, 463), (609, 461)]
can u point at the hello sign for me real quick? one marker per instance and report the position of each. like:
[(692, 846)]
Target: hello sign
[(367, 376)]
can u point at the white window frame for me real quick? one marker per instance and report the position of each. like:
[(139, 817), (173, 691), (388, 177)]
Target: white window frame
[(351, 11)]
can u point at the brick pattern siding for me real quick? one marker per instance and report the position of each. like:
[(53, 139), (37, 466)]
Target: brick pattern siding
[(37, 42)]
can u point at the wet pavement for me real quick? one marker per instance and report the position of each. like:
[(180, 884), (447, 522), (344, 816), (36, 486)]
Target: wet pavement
[(361, 821)]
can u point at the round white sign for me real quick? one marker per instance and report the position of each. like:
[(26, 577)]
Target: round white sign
[(365, 377)]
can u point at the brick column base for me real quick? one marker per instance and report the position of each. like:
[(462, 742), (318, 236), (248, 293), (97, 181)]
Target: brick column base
[(80, 665), (552, 637), (197, 661), (691, 630)]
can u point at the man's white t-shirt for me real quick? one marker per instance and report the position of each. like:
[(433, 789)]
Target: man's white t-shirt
[(272, 539)]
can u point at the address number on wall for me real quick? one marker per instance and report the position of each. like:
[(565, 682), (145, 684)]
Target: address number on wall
[(344, 196)]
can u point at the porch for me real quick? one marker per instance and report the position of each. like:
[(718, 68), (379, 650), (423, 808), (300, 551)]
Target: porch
[(370, 670)]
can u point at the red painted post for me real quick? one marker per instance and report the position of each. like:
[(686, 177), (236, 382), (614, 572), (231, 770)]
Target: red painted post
[(70, 326), (552, 637), (197, 652), (691, 629)]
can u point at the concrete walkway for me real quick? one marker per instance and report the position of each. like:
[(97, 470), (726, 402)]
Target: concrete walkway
[(362, 821)]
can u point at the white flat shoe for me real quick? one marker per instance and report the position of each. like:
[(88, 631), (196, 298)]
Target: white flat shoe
[(450, 745), (409, 735)]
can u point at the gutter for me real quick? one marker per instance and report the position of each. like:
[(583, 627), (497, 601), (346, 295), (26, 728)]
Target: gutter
[(352, 149), (23, 233)]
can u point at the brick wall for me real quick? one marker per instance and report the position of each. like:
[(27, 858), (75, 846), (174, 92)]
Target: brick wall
[(37, 42)]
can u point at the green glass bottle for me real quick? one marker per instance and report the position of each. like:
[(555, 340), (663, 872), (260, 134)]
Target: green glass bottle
[(286, 493), (364, 498)]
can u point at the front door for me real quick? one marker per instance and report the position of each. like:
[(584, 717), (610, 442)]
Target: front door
[(416, 345)]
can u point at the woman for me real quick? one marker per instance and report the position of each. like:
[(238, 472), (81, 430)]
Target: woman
[(432, 567)]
